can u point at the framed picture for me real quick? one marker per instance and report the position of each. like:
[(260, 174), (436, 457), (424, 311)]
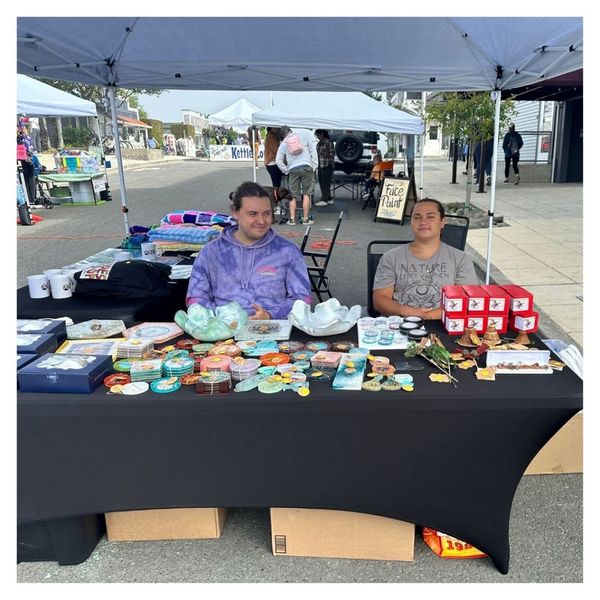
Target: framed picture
[(91, 347), (157, 332)]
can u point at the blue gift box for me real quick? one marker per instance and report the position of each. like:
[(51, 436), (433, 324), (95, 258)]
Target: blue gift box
[(65, 373), (56, 326), (24, 359), (36, 343)]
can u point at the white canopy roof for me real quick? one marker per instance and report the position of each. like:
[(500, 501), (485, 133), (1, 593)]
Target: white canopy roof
[(237, 115), (35, 98), (337, 110), (312, 53)]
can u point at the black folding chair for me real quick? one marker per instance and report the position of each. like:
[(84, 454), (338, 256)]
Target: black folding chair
[(319, 281), (455, 231), (454, 234)]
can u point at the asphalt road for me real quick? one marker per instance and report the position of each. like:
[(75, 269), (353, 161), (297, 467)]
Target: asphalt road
[(546, 525)]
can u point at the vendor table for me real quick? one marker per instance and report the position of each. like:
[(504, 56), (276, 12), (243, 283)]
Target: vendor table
[(84, 186), (443, 457)]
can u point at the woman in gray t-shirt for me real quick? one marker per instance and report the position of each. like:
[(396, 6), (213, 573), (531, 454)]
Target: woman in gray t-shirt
[(409, 278)]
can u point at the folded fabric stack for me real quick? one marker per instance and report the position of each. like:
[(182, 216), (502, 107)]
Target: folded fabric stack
[(196, 217), (187, 234)]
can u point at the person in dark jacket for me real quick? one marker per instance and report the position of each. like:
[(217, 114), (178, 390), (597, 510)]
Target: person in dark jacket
[(512, 144)]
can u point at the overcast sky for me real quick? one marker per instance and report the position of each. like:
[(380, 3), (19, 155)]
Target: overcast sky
[(168, 106)]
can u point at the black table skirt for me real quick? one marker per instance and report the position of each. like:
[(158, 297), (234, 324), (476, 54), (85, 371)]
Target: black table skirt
[(443, 457)]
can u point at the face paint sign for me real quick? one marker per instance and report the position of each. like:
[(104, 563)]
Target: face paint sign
[(394, 198)]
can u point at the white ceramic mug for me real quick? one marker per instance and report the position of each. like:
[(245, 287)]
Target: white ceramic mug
[(60, 286), (148, 251), (39, 287)]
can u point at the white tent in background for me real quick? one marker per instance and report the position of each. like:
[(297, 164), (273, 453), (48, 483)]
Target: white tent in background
[(336, 110), (35, 98), (238, 115)]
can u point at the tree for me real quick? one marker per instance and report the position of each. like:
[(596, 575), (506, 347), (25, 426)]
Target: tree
[(468, 116), (375, 95)]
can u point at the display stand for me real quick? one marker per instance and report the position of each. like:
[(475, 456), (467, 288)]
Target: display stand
[(85, 187)]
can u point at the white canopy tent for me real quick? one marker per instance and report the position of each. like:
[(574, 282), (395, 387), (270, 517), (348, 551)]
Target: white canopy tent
[(35, 98), (337, 110), (238, 115), (313, 54)]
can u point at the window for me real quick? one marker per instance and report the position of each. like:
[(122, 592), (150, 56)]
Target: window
[(413, 95), (433, 132)]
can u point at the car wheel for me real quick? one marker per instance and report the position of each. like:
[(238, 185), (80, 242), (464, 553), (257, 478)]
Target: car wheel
[(349, 148)]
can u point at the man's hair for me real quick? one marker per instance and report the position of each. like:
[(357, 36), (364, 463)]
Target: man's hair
[(439, 205), (322, 132), (248, 189)]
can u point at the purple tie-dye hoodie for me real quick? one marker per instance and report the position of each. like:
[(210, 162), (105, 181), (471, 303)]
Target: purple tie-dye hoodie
[(271, 273)]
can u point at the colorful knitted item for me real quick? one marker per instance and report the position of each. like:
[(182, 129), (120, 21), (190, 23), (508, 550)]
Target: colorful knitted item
[(191, 235), (197, 217)]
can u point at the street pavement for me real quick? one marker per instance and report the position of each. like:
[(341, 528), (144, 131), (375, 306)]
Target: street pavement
[(539, 246)]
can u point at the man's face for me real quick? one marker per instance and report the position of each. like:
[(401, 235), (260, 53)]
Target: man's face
[(254, 218), (426, 222)]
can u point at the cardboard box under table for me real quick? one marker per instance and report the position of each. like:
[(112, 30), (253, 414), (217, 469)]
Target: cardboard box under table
[(165, 524), (340, 534), (563, 453)]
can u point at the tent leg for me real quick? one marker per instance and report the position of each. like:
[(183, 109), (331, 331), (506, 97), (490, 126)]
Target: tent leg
[(497, 97), (113, 110), (254, 158)]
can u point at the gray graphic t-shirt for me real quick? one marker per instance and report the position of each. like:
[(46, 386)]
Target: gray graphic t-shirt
[(418, 282)]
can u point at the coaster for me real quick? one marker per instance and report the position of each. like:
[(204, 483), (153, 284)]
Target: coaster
[(166, 385), (270, 387), (124, 365), (137, 387), (116, 379)]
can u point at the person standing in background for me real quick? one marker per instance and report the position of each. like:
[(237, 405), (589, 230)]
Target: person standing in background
[(512, 144), (326, 156), (298, 161), (271, 147)]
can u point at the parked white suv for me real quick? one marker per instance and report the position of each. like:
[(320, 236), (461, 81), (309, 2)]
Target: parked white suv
[(354, 150)]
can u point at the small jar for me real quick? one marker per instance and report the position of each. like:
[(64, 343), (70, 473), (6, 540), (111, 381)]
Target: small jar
[(407, 327), (418, 321), (416, 335)]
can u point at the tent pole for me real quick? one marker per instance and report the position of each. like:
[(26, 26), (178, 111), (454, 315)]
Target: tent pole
[(422, 143), (254, 158), (497, 96), (115, 126)]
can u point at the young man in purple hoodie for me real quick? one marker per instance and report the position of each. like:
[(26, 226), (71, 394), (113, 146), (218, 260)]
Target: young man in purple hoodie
[(250, 263)]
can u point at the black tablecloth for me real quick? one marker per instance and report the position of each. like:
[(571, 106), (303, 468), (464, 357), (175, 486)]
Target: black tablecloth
[(444, 457)]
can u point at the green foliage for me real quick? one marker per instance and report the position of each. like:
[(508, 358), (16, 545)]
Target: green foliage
[(468, 115), (77, 137), (157, 130), (375, 95), (183, 130)]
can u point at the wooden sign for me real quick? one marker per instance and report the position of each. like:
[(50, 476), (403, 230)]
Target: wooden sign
[(396, 195)]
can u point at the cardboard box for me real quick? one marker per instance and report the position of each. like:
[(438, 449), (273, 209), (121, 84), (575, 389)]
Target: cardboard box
[(165, 524), (477, 322), (524, 322), (340, 534), (453, 324), (521, 301), (478, 300), (64, 373), (499, 301), (454, 300), (36, 343), (56, 326), (563, 453), (500, 322)]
